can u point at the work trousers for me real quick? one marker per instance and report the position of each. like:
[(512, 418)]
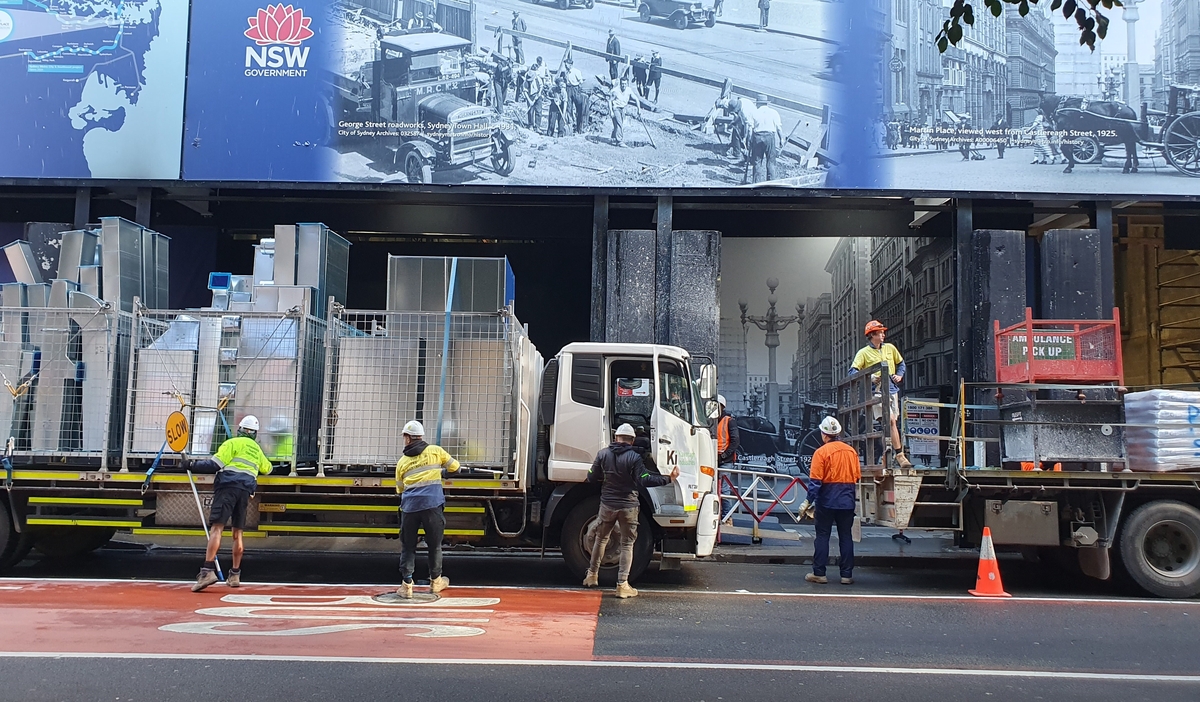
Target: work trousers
[(764, 15), (826, 519), (558, 123), (433, 521), (762, 156), (618, 120), (579, 100), (518, 51), (612, 69), (626, 522)]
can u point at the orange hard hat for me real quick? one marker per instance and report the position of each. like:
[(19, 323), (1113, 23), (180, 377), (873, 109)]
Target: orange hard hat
[(873, 326)]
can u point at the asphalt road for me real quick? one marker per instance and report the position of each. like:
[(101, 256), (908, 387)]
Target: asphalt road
[(711, 631)]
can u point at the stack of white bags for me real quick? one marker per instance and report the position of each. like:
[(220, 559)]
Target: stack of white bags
[(1171, 439)]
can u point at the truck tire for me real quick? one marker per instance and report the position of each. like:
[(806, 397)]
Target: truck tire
[(579, 523), (564, 4), (70, 542), (1160, 548), (644, 12), (8, 534), (680, 20), (502, 159), (416, 168)]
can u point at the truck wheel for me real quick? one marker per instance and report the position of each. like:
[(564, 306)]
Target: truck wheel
[(644, 13), (564, 4), (711, 21), (590, 4), (580, 528), (1160, 548), (416, 168), (69, 542), (680, 20), (502, 160), (8, 534), (24, 546)]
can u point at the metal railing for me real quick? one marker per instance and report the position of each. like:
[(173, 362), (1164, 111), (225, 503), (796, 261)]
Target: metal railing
[(865, 410), (759, 495)]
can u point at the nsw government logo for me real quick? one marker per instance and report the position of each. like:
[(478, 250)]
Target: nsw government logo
[(278, 32)]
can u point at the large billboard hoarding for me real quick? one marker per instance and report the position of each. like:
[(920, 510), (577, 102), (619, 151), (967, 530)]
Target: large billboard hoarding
[(92, 88), (610, 93)]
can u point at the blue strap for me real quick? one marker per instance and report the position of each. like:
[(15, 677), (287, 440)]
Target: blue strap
[(446, 347)]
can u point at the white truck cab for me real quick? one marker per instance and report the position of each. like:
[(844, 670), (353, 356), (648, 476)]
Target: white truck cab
[(598, 387)]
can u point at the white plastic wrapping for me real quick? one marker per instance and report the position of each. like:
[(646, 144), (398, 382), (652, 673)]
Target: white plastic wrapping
[(1172, 443)]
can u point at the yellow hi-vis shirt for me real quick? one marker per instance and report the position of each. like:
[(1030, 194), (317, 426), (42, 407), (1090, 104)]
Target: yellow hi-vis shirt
[(241, 453), (419, 478), (868, 356)]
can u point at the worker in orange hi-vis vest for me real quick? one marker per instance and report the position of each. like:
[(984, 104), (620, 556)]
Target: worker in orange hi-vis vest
[(832, 487), (728, 441)]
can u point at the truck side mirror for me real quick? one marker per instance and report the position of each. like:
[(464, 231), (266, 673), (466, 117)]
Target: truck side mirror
[(708, 381)]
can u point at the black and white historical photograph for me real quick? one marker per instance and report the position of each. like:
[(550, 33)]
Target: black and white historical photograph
[(583, 93), (1019, 104)]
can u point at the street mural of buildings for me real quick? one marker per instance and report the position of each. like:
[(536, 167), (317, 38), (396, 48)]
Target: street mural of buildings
[(1031, 56), (731, 365), (850, 279), (1177, 48)]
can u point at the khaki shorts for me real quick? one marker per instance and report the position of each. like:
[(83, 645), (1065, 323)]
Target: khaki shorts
[(877, 409)]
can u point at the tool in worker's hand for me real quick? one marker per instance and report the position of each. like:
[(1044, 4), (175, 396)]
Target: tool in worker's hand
[(203, 521)]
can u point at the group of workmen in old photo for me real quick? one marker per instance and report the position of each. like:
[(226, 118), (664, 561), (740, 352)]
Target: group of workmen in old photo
[(622, 469)]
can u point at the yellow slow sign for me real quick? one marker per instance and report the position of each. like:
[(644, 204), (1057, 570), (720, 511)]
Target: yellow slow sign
[(177, 432)]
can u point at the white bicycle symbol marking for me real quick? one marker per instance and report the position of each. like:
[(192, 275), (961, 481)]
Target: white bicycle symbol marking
[(352, 612)]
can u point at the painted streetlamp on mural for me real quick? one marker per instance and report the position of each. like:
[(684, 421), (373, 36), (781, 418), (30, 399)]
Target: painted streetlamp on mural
[(771, 323)]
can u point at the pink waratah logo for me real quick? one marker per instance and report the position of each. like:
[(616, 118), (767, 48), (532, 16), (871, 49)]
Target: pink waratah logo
[(279, 24)]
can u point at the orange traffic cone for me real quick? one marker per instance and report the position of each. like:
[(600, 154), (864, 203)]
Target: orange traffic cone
[(988, 583)]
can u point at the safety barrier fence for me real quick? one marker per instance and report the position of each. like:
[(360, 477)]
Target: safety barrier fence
[(759, 495)]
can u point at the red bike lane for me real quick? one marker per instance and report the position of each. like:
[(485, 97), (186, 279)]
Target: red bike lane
[(166, 618)]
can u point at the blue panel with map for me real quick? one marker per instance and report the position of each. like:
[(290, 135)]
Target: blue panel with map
[(92, 88)]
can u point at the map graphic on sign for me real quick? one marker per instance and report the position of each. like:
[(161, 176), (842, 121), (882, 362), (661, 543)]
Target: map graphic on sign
[(92, 88)]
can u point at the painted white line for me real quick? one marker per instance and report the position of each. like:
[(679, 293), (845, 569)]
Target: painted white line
[(659, 665), (655, 591)]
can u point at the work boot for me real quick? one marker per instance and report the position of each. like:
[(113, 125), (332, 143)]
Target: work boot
[(405, 589), (206, 577), (814, 578), (592, 579), (439, 583), (625, 591), (235, 578), (903, 461), (847, 581)]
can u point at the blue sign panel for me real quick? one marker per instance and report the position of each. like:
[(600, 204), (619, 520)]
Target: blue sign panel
[(92, 88), (258, 93)]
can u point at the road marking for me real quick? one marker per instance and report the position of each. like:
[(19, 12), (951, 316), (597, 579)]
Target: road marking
[(656, 591), (659, 665), (293, 620)]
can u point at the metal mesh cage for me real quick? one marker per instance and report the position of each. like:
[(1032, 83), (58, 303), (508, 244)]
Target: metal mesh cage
[(1059, 350), (386, 368), (221, 366), (66, 372)]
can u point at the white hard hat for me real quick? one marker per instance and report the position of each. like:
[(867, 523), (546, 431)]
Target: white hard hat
[(721, 400), (831, 426), (626, 430), (414, 428), (249, 422)]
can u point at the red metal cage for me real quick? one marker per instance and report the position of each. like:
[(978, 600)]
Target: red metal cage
[(1071, 350)]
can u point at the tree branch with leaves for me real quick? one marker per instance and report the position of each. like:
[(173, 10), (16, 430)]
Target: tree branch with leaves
[(1088, 14)]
